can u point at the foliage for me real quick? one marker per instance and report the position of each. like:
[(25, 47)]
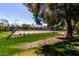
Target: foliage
[(53, 13), (41, 13), (76, 30), (4, 25), (25, 26), (1, 27)]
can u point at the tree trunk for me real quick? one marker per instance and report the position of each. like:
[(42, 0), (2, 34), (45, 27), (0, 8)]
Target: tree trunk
[(69, 29), (68, 21), (10, 35)]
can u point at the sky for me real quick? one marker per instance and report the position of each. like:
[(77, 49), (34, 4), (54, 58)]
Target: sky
[(16, 12)]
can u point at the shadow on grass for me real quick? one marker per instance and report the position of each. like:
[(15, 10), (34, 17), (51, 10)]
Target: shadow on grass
[(66, 48), (1, 31), (9, 51)]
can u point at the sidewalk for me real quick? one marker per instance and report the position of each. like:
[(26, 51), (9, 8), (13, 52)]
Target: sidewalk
[(36, 32)]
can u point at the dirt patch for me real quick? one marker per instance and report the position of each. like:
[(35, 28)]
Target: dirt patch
[(37, 43), (27, 53)]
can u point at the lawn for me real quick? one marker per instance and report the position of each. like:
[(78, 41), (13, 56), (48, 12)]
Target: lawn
[(3, 34), (6, 51), (66, 48), (5, 44)]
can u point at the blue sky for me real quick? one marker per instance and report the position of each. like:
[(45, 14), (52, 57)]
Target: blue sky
[(12, 11)]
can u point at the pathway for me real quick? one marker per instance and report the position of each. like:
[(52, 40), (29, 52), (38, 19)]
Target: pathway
[(37, 43), (36, 32)]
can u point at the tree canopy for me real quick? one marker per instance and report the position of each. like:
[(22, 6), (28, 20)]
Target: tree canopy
[(53, 13)]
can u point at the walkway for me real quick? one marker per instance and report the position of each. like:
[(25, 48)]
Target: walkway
[(35, 32), (37, 43)]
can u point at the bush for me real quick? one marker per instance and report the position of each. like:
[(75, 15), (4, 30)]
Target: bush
[(76, 30)]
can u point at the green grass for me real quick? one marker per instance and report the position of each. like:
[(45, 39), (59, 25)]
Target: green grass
[(5, 51), (27, 38), (3, 34), (5, 44), (66, 48)]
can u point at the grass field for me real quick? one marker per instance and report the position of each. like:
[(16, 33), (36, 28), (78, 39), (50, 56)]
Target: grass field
[(5, 44), (66, 48), (3, 34)]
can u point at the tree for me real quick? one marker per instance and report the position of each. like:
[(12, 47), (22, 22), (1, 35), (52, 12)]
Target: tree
[(71, 13), (1, 27), (53, 13), (25, 27), (12, 32), (4, 24)]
